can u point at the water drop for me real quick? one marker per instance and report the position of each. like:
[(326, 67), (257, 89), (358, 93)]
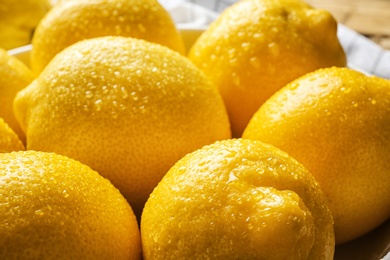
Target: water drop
[(250, 226), (283, 167), (293, 86), (98, 104), (145, 99), (39, 212), (246, 46), (232, 177), (122, 107), (182, 170), (124, 93), (345, 90), (272, 161), (88, 94), (260, 170), (104, 90), (66, 195), (142, 109), (134, 96)]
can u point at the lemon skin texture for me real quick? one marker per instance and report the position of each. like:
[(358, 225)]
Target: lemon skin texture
[(336, 122), (71, 21), (14, 76), (126, 107), (237, 199), (53, 207), (255, 47), (9, 140)]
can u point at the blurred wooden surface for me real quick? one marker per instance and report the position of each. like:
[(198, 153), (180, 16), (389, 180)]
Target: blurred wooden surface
[(368, 17)]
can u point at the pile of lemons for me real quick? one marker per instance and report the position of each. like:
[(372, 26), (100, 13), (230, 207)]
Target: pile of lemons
[(256, 143)]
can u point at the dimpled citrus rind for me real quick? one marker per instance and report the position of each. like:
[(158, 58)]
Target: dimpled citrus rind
[(126, 107), (249, 57), (14, 76), (55, 207), (238, 199), (71, 21), (9, 140), (335, 121)]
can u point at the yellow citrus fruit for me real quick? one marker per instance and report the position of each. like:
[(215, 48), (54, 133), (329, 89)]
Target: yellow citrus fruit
[(18, 19), (256, 47), (14, 76), (9, 140), (72, 21), (336, 122), (126, 107), (237, 199), (53, 207)]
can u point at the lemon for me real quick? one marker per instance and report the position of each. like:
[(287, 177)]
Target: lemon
[(18, 19), (256, 47), (237, 199), (126, 107), (336, 122), (14, 76), (9, 141), (53, 207), (72, 21)]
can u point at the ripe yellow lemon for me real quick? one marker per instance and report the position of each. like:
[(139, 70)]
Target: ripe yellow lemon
[(14, 76), (256, 47), (18, 19), (52, 207), (9, 140), (336, 122), (126, 107), (72, 21), (237, 199)]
